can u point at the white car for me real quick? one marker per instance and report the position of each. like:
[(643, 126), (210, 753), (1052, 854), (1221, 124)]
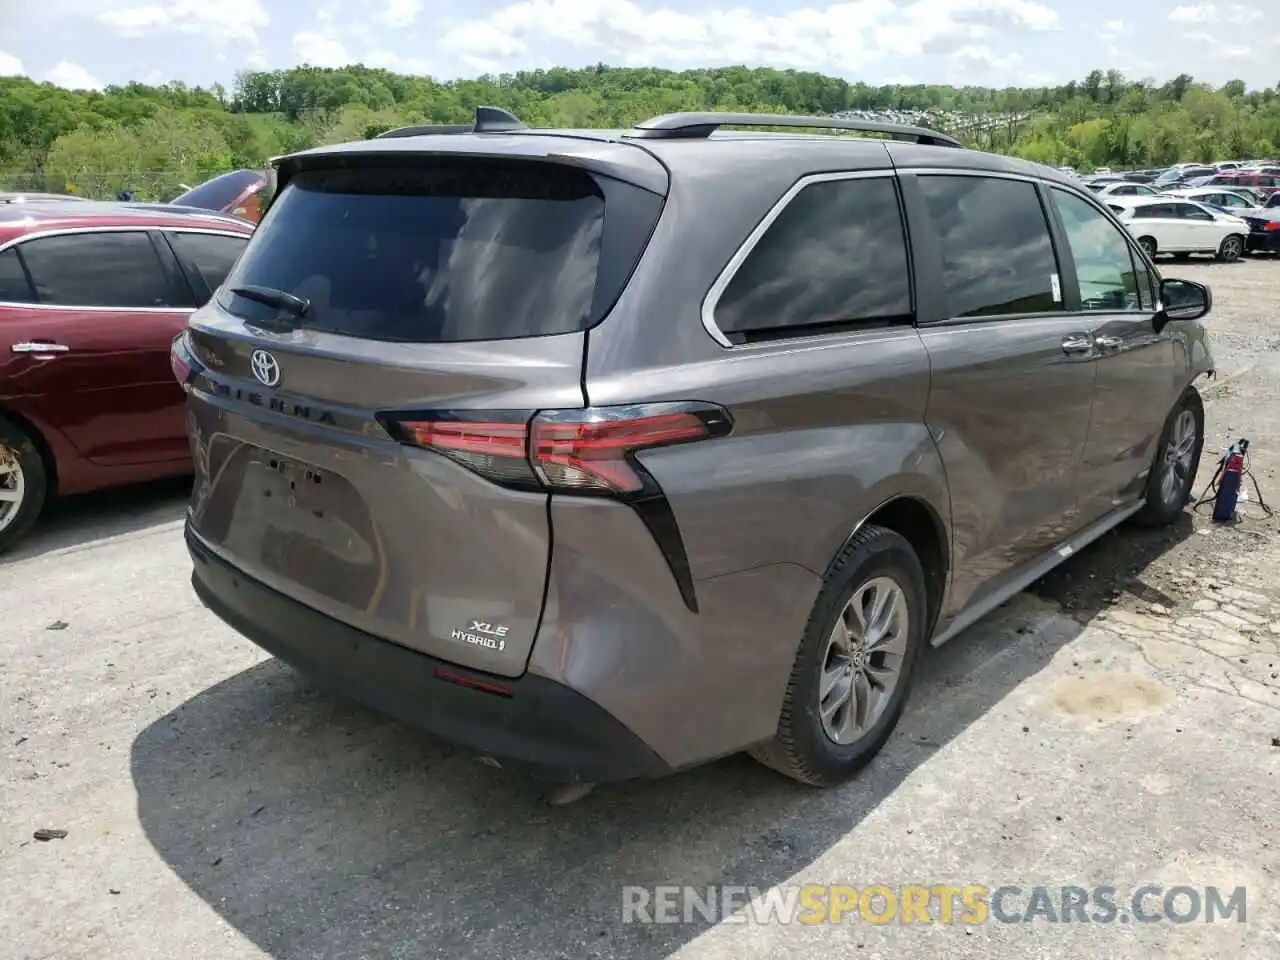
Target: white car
[(1228, 199), (1123, 188), (1178, 226)]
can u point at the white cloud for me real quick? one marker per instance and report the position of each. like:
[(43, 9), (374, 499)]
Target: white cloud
[(73, 77), (319, 49), (984, 58), (400, 13), (10, 66), (223, 21), (841, 36), (388, 60), (1212, 13)]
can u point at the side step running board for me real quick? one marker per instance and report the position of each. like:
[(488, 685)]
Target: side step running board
[(977, 611)]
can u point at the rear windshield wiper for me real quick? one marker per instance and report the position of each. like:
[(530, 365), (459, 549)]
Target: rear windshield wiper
[(280, 299)]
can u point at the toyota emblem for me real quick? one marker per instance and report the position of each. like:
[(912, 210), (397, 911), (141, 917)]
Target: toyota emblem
[(265, 368)]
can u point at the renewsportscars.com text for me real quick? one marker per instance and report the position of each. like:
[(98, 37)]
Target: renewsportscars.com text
[(969, 904)]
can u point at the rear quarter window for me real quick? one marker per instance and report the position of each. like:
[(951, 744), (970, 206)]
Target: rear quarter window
[(14, 286), (836, 255), (445, 251)]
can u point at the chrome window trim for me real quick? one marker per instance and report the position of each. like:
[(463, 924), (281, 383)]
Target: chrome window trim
[(128, 228), (739, 257), (973, 172)]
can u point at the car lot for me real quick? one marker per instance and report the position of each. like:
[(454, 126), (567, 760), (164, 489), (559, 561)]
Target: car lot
[(1113, 726)]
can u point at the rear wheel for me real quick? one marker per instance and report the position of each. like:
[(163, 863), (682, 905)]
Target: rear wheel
[(23, 483), (1232, 249), (1177, 459), (855, 663), (1148, 245)]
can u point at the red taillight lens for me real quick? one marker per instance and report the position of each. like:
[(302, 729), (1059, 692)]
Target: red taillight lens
[(498, 450), (593, 456), (570, 451)]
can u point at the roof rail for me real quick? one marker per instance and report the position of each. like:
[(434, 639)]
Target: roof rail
[(488, 120), (696, 126), (423, 129)]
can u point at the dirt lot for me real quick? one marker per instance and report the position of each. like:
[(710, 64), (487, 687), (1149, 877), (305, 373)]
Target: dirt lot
[(1117, 725)]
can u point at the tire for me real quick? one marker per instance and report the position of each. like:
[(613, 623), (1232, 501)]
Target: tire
[(21, 469), (1173, 474), (805, 747), (1148, 245), (1232, 248)]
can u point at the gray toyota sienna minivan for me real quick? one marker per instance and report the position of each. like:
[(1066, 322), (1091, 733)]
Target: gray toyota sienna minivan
[(605, 453)]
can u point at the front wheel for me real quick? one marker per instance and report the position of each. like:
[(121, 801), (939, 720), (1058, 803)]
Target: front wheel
[(1231, 250), (1177, 458), (22, 484), (1148, 245), (855, 662)]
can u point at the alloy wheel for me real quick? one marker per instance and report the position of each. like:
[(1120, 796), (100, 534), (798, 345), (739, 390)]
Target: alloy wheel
[(864, 659), (13, 486), (1231, 249), (1178, 452)]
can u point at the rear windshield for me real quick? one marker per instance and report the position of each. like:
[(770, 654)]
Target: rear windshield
[(220, 192), (443, 251)]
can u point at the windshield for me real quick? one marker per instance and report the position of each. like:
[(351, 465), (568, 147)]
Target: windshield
[(221, 192)]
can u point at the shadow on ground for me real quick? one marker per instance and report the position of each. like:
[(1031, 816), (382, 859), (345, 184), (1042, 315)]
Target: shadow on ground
[(79, 521), (317, 829)]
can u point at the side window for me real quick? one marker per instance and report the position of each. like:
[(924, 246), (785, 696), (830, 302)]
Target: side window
[(97, 270), (837, 253), (997, 253), (211, 256), (14, 287), (1104, 260), (1189, 211)]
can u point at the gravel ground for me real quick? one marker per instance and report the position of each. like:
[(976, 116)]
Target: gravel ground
[(1118, 724)]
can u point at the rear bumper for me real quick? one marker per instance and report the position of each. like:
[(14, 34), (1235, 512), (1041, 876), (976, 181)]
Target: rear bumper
[(552, 731), (1264, 242)]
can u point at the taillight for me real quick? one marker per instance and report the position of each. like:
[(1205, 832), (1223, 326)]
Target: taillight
[(589, 451), (180, 360), (595, 455)]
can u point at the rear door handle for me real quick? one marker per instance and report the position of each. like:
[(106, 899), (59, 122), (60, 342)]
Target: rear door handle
[(37, 346), (1077, 344)]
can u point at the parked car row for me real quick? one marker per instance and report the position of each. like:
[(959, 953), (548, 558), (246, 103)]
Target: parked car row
[(240, 194), (91, 298)]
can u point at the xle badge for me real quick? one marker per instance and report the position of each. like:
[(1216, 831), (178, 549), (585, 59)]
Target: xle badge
[(491, 636)]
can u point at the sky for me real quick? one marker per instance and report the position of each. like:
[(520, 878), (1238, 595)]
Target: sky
[(90, 43)]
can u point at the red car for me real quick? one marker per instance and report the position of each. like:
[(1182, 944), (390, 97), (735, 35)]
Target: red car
[(1268, 183), (91, 298)]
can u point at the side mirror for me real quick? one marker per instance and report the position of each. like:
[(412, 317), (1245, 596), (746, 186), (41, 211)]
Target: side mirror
[(1182, 300)]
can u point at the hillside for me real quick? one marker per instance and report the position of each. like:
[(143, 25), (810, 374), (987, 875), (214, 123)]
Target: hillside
[(151, 139)]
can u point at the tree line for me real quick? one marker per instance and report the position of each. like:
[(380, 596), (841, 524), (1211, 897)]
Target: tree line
[(154, 139)]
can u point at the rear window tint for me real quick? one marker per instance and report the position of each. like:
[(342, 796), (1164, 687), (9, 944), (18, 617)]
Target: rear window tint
[(446, 252)]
